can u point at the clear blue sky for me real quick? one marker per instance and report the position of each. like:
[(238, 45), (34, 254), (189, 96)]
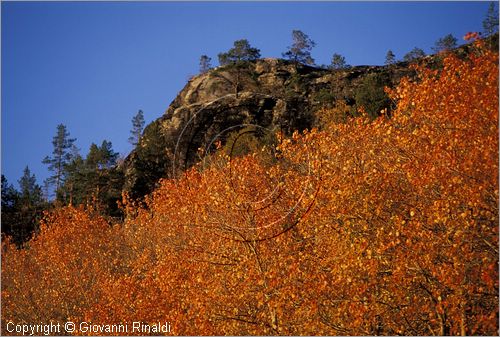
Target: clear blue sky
[(92, 66)]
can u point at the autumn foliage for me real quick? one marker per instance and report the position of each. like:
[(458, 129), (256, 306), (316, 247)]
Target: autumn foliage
[(365, 227)]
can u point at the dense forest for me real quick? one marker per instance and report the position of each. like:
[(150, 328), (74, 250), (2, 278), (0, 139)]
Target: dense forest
[(367, 224)]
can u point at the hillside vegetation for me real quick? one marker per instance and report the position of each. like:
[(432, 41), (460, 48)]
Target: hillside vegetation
[(365, 227)]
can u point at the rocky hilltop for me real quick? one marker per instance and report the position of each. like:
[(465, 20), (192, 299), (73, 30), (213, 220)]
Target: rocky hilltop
[(271, 93)]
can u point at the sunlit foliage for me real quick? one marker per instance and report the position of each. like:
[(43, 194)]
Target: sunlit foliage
[(369, 227)]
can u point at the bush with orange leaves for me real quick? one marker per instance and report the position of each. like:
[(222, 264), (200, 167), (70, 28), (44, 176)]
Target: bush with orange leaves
[(384, 227), (416, 200), (58, 275)]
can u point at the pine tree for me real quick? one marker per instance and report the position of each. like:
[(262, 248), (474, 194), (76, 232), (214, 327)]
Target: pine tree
[(338, 62), (414, 54), (390, 58), (137, 127), (31, 192), (94, 180), (205, 64), (490, 23), (10, 199), (103, 157), (9, 194), (21, 211), (61, 156), (75, 180), (241, 51), (237, 59), (46, 190), (445, 43), (300, 50), (108, 155), (98, 164)]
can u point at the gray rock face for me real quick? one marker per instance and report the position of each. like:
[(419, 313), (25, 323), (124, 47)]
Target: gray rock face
[(271, 93)]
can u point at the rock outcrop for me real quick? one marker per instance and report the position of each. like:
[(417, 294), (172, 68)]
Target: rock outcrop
[(271, 93)]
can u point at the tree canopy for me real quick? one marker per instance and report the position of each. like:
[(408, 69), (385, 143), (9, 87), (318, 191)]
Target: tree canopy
[(300, 50), (241, 51), (390, 58), (414, 54), (490, 22), (338, 62), (137, 128), (61, 156), (445, 43), (205, 64)]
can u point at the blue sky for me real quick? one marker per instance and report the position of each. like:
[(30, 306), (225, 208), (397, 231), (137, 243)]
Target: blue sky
[(93, 65)]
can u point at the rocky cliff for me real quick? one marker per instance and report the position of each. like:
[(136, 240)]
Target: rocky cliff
[(271, 93)]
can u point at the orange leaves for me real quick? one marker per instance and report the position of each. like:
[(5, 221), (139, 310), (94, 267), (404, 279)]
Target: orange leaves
[(431, 162), (471, 36), (384, 227)]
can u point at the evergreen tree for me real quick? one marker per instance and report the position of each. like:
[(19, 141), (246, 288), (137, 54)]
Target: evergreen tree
[(94, 180), (390, 58), (490, 23), (371, 94), (300, 50), (445, 43), (108, 155), (241, 51), (30, 191), (10, 199), (93, 157), (61, 155), (151, 163), (112, 191), (237, 61), (413, 55), (75, 180), (338, 62), (103, 157), (205, 64), (137, 127), (46, 190), (99, 163), (9, 195), (21, 210)]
